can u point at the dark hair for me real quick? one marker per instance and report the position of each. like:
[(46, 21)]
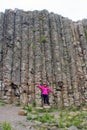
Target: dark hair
[(45, 83)]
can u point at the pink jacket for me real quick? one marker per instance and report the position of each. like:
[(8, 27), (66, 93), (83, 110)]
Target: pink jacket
[(45, 90)]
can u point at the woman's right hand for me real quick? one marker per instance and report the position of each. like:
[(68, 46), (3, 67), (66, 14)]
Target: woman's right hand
[(38, 84)]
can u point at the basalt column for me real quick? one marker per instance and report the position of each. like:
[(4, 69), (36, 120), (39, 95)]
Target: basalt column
[(37, 47)]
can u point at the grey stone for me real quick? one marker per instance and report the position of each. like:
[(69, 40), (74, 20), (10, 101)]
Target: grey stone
[(73, 128), (0, 128), (38, 46)]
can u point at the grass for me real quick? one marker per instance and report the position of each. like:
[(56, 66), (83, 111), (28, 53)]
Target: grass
[(77, 118), (20, 123), (42, 115), (43, 39), (28, 108), (2, 103), (64, 119), (29, 117), (45, 118), (6, 126), (85, 31)]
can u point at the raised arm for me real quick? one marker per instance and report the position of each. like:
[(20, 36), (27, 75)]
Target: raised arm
[(50, 90), (39, 86)]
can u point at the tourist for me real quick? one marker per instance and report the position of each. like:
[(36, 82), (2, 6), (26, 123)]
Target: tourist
[(45, 92)]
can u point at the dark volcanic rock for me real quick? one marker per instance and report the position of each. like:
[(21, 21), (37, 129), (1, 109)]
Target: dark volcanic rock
[(38, 46)]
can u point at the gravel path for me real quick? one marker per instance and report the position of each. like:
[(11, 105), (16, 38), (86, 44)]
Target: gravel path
[(9, 113)]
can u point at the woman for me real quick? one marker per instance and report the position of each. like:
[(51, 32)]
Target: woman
[(45, 91)]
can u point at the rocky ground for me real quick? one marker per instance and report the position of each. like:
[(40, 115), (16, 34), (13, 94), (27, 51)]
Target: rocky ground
[(12, 114), (9, 113)]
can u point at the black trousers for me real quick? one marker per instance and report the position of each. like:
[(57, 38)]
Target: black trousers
[(45, 99)]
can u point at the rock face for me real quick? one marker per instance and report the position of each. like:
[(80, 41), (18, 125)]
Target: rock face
[(38, 46)]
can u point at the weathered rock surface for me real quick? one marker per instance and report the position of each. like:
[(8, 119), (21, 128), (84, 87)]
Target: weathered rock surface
[(73, 128), (38, 46)]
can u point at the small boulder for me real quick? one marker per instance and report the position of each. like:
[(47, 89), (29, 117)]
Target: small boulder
[(46, 106), (22, 113), (40, 108), (73, 128)]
